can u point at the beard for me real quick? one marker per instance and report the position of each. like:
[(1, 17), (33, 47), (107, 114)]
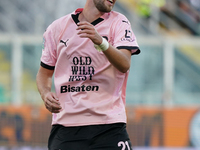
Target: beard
[(99, 4)]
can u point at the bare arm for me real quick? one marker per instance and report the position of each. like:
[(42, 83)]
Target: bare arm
[(121, 59), (118, 58), (44, 83)]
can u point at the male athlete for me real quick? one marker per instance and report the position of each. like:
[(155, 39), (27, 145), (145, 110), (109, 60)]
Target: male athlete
[(89, 52)]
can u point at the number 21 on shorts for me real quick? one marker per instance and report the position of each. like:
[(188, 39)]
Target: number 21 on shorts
[(123, 145)]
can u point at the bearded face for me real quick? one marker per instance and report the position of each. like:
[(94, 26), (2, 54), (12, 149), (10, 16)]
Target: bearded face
[(104, 5)]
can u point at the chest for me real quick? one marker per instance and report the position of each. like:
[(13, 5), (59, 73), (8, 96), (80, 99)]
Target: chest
[(75, 50)]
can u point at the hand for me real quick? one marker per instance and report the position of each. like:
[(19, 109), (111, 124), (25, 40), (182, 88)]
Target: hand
[(52, 103), (87, 30)]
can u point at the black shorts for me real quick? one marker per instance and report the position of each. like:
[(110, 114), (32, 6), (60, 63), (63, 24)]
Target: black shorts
[(93, 137)]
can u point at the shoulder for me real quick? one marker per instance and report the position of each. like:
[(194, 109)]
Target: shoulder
[(117, 15), (56, 28), (118, 19), (59, 23)]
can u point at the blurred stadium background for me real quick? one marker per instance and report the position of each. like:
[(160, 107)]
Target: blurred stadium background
[(163, 93)]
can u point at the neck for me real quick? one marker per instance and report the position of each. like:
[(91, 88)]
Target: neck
[(90, 12)]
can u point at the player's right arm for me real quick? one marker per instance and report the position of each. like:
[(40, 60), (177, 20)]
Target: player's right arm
[(44, 83)]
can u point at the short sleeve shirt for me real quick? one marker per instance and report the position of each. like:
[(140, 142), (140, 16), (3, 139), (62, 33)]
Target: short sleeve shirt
[(90, 89)]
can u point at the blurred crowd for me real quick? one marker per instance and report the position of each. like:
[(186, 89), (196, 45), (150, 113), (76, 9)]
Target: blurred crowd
[(183, 12), (191, 7), (144, 7)]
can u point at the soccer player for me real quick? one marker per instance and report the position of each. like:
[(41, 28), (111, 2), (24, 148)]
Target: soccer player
[(89, 52)]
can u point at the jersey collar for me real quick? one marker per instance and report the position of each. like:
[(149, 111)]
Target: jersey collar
[(79, 10)]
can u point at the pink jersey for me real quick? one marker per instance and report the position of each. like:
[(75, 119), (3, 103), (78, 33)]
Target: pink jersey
[(90, 89)]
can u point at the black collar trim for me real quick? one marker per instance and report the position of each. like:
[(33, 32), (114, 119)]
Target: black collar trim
[(75, 18)]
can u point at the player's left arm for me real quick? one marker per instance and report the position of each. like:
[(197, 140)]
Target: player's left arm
[(121, 59)]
